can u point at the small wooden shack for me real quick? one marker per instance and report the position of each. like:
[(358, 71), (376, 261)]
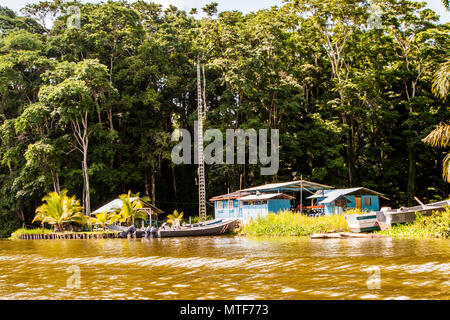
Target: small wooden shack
[(227, 205), (338, 200), (259, 205)]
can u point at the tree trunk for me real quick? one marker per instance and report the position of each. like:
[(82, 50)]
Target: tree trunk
[(82, 136), (411, 175), (58, 188), (86, 184), (174, 182), (20, 214), (55, 180), (146, 185), (352, 174), (153, 187), (110, 118)]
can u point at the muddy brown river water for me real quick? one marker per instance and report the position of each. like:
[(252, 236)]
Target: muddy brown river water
[(225, 268)]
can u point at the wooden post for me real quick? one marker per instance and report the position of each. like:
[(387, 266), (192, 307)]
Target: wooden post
[(151, 212), (301, 193)]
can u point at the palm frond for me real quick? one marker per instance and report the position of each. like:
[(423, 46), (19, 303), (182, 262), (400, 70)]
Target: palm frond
[(58, 209), (446, 168), (439, 137), (441, 80)]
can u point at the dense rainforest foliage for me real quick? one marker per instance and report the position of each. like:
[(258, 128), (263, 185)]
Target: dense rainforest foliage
[(348, 84)]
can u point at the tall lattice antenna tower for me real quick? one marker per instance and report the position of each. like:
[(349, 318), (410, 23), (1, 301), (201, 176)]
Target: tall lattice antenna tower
[(201, 160)]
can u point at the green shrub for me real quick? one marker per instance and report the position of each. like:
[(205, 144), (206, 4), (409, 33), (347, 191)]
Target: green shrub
[(293, 224), (355, 211)]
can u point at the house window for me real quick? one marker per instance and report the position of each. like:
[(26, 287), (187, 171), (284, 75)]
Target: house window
[(367, 202), (230, 204), (219, 205)]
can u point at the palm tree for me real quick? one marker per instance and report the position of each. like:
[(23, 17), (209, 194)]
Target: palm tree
[(175, 218), (59, 209), (131, 210), (440, 137), (105, 218)]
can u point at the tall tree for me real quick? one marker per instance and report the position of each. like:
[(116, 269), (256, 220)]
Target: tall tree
[(74, 91)]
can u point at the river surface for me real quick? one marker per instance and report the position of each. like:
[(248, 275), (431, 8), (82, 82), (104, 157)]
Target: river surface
[(225, 268)]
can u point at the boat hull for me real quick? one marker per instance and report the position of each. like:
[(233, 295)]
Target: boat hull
[(216, 229), (387, 219), (359, 223)]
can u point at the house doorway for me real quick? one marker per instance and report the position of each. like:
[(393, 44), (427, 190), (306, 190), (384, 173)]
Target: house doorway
[(358, 204)]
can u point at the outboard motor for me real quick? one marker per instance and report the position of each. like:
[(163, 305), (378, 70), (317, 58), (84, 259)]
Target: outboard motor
[(150, 232), (131, 230), (164, 225)]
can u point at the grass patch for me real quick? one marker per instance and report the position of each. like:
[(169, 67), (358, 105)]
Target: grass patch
[(293, 224), (16, 234), (435, 226)]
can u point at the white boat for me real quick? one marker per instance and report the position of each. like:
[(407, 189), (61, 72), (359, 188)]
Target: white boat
[(362, 222)]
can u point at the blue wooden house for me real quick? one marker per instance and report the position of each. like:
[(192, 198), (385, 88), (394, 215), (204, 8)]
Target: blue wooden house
[(259, 201), (259, 205), (246, 206), (338, 200), (227, 205)]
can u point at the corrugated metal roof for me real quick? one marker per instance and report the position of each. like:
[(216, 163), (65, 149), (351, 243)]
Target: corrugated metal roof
[(266, 196), (319, 194), (230, 196), (334, 194), (294, 185)]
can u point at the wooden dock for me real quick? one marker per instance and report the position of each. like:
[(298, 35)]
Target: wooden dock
[(346, 235), (77, 235)]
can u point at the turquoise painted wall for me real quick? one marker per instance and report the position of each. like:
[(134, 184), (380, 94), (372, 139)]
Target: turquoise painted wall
[(277, 205), (374, 206), (247, 212)]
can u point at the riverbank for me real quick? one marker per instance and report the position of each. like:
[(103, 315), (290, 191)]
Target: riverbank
[(39, 233), (287, 224), (293, 224)]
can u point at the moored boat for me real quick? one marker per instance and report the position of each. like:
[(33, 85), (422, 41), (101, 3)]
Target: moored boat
[(213, 228), (208, 228), (362, 222), (386, 219)]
